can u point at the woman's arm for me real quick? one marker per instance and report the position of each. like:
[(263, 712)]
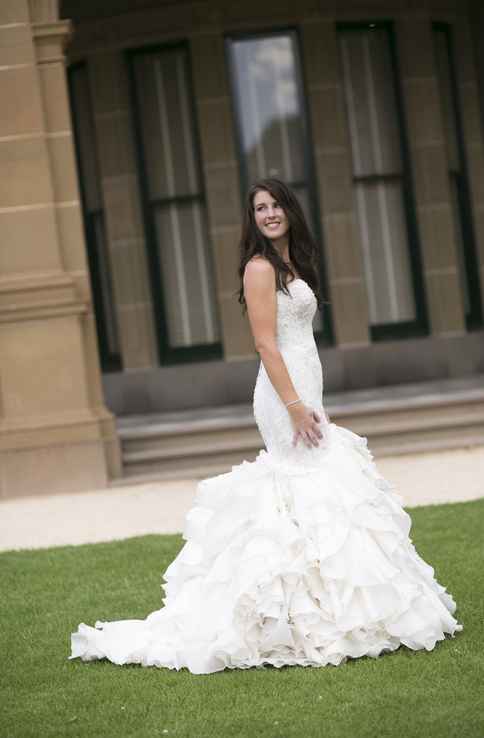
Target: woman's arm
[(260, 296)]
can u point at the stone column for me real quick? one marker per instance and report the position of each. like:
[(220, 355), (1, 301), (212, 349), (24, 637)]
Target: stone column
[(222, 187), (124, 228), (56, 434), (430, 169), (473, 127), (332, 151)]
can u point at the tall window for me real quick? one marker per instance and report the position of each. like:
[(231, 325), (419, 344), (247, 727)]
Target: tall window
[(272, 125), (380, 178), (174, 204), (466, 251), (93, 214)]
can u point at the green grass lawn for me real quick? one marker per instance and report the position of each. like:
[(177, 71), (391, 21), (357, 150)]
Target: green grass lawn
[(46, 593)]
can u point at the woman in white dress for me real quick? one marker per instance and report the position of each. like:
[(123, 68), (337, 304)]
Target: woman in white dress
[(303, 556)]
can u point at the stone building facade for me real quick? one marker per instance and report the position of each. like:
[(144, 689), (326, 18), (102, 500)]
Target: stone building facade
[(130, 133)]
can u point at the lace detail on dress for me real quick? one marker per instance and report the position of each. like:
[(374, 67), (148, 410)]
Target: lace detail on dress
[(295, 339), (295, 313)]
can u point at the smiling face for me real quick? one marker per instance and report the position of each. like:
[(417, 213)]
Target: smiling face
[(269, 216)]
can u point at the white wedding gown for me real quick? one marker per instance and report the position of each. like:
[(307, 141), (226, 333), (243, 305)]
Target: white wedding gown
[(302, 556)]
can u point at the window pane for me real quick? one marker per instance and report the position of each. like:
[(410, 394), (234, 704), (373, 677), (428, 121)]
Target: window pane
[(374, 127), (271, 120), (370, 101), (175, 197), (385, 252), (189, 299), (167, 124)]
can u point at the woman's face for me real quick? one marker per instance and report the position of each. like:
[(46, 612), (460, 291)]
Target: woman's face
[(269, 216)]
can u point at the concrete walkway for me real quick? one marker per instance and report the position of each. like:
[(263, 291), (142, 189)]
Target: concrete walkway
[(160, 507)]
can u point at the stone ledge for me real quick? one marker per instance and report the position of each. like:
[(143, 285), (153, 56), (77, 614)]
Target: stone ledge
[(42, 296), (53, 430)]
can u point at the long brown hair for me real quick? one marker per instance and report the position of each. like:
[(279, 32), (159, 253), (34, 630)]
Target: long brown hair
[(303, 250)]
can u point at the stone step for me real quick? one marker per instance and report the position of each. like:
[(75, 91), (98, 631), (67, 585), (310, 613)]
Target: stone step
[(396, 420)]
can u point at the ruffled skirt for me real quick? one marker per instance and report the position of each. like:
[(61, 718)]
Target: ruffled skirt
[(284, 565)]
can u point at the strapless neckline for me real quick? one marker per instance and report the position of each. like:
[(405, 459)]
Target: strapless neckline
[(298, 279)]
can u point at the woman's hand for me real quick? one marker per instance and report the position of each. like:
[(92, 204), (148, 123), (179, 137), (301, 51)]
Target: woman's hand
[(305, 422)]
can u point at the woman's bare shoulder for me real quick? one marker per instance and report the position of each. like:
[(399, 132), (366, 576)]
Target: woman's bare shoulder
[(259, 268)]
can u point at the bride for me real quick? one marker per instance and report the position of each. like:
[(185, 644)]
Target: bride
[(303, 556)]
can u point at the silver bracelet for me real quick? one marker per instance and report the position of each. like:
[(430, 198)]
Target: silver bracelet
[(293, 402)]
